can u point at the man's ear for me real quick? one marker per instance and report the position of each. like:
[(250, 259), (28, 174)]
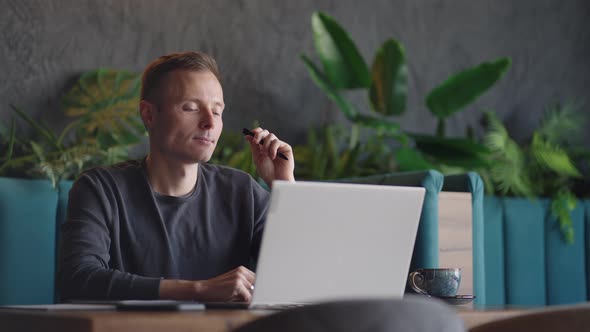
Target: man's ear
[(147, 111)]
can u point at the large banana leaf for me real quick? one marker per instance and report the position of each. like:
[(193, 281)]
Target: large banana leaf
[(343, 64), (389, 79), (465, 87), (409, 159), (320, 80), (453, 151)]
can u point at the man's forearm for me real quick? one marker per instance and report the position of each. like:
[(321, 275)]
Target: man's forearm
[(91, 281), (178, 289)]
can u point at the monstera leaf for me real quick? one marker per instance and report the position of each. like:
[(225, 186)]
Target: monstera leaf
[(106, 100)]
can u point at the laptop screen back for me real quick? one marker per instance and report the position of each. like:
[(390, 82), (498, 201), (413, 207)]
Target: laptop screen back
[(330, 241)]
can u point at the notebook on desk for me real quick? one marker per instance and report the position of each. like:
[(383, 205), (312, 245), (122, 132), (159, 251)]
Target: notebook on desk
[(333, 241)]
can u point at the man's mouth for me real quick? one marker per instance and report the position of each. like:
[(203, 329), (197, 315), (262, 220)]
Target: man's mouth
[(203, 139)]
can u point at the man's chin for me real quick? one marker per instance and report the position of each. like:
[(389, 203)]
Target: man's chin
[(199, 158)]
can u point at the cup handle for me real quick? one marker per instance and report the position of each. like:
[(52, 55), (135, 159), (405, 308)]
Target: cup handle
[(413, 285)]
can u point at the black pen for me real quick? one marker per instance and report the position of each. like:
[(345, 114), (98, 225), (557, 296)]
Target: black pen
[(247, 132)]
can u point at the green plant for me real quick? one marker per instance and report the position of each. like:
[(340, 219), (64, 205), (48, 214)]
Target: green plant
[(326, 154), (386, 87), (329, 154), (542, 167), (103, 105)]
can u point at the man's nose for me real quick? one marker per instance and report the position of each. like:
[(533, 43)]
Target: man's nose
[(206, 120)]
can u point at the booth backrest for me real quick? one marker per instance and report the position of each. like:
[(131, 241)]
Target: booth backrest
[(28, 211), (31, 212), (527, 262)]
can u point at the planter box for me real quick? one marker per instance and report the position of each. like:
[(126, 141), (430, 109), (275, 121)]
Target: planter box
[(526, 260)]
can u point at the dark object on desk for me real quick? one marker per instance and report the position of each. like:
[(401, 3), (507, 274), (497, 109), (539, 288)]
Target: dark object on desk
[(249, 306), (247, 132), (227, 305), (62, 307), (412, 314), (158, 305)]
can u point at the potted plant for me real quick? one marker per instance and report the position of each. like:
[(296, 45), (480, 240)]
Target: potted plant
[(536, 212), (105, 126), (385, 84), (545, 166)]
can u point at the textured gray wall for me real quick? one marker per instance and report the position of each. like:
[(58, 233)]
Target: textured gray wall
[(46, 44)]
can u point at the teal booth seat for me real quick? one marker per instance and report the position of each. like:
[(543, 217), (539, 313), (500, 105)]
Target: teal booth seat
[(426, 245), (472, 183), (526, 261), (31, 212), (28, 210)]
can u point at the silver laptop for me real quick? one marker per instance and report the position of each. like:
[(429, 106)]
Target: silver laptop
[(332, 241)]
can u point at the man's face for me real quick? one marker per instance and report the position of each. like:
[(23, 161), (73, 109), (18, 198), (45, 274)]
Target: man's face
[(186, 122)]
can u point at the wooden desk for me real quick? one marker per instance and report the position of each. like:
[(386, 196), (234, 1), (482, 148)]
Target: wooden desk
[(211, 320), (98, 321)]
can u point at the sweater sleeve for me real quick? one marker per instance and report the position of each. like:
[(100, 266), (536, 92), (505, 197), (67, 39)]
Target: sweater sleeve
[(260, 201), (83, 262)]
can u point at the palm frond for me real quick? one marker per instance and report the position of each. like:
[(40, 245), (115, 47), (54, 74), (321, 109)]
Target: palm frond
[(562, 124), (562, 205), (508, 166), (47, 135), (553, 157), (10, 140)]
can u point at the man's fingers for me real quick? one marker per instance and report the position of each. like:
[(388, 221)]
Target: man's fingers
[(246, 273), (242, 291), (274, 148), (270, 142), (260, 135)]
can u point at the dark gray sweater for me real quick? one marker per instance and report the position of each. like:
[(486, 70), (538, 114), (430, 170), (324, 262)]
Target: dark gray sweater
[(121, 238)]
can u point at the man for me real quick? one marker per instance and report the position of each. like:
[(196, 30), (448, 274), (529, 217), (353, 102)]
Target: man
[(170, 226)]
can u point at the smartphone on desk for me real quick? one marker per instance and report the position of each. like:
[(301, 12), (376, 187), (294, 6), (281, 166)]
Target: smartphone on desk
[(158, 305)]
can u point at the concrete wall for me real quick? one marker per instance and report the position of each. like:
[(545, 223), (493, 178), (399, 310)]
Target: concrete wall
[(45, 44)]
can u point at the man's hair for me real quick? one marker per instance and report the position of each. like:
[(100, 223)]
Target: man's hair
[(156, 71)]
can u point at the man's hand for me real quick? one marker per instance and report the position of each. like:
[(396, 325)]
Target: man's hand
[(269, 166), (235, 285)]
